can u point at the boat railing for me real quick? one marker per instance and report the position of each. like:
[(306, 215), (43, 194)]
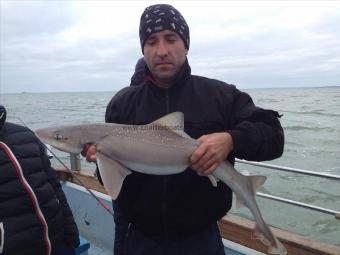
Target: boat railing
[(334, 213), (75, 165)]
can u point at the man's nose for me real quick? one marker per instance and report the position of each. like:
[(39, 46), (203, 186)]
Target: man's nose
[(162, 49)]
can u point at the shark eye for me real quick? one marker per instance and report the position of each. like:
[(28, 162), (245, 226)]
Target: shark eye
[(59, 136)]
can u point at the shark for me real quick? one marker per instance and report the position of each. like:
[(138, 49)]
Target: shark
[(158, 148)]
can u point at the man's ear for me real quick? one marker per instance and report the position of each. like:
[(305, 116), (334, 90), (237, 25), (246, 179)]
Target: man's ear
[(186, 52)]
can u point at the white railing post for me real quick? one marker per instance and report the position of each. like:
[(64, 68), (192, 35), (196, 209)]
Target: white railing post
[(75, 161)]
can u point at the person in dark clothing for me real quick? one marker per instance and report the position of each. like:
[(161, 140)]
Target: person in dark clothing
[(35, 217), (178, 214), (138, 77)]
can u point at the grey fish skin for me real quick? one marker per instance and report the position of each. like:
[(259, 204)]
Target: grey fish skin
[(159, 148)]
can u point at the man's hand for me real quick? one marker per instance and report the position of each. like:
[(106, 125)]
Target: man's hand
[(212, 151), (89, 151)]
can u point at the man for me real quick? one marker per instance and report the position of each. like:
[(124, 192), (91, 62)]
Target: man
[(35, 217), (178, 214)]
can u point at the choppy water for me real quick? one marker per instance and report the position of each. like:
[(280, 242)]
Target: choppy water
[(311, 120)]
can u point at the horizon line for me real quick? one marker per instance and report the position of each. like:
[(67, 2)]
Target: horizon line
[(96, 91)]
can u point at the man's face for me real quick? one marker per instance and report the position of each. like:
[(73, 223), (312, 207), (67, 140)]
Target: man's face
[(164, 53)]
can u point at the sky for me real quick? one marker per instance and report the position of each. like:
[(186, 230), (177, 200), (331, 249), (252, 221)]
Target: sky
[(84, 45)]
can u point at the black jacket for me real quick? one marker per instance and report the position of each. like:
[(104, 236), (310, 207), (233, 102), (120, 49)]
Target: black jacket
[(174, 207), (23, 231)]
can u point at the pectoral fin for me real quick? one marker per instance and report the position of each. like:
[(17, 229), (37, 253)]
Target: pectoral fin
[(113, 174)]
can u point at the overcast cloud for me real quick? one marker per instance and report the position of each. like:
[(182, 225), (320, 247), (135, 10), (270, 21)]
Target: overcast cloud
[(93, 45)]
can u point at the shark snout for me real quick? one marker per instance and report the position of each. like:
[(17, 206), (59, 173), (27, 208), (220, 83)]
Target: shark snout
[(41, 134), (58, 139)]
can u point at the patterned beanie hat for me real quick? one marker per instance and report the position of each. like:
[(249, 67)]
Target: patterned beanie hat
[(159, 17)]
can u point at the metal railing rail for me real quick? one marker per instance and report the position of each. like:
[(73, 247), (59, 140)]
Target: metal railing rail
[(334, 213), (289, 169)]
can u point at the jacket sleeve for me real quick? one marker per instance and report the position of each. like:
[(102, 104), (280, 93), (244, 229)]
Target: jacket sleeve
[(71, 233), (257, 133)]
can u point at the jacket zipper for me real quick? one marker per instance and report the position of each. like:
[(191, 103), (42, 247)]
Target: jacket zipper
[(164, 209), (165, 181), (167, 104)]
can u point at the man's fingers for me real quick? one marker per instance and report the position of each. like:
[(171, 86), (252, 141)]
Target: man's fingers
[(89, 152), (202, 161), (214, 148), (85, 149), (207, 165), (91, 157), (211, 169), (198, 153)]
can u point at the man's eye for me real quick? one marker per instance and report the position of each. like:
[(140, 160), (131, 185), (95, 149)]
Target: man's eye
[(151, 42), (171, 40)]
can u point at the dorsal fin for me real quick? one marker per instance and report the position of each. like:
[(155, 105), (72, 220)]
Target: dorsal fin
[(174, 120)]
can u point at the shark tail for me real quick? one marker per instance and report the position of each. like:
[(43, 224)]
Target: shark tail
[(274, 247), (253, 183)]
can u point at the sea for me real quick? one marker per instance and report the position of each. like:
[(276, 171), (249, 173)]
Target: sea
[(311, 122)]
